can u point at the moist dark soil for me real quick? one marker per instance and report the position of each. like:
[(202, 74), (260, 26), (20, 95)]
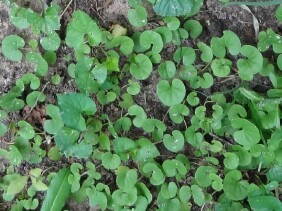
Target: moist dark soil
[(213, 16)]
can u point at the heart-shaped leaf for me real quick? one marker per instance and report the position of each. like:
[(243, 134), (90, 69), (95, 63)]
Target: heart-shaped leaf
[(175, 142), (194, 28), (187, 55), (10, 47), (250, 66), (72, 106), (249, 134), (137, 16), (171, 94), (51, 42), (177, 113), (141, 68), (151, 38)]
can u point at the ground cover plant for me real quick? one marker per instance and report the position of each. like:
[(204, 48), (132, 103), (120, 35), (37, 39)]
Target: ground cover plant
[(215, 145)]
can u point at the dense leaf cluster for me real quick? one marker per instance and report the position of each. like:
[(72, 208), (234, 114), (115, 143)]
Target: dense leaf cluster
[(219, 149)]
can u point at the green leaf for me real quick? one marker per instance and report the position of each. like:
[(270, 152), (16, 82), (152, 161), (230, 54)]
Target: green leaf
[(30, 204), (202, 175), (156, 175), (26, 130), (10, 102), (54, 154), (151, 38), (134, 87), (3, 129), (139, 113), (10, 47), (175, 168), (165, 33), (137, 16), (175, 142), (34, 97), (144, 191), (229, 40), (141, 68), (192, 99), (146, 150), (110, 161), (17, 185), (198, 195), (264, 203), (126, 44), (126, 178), (66, 140), (172, 23), (173, 7), (177, 113), (194, 28), (193, 137), (278, 13), (184, 193), (186, 54), (41, 65), (169, 190), (18, 17), (124, 123), (250, 66), (207, 54), (231, 161), (235, 188), (100, 73), (106, 98), (58, 192), (275, 173), (249, 134), (56, 79), (122, 198), (167, 70), (81, 26), (171, 94), (221, 67), (51, 19), (122, 146), (51, 42), (56, 123), (72, 106)]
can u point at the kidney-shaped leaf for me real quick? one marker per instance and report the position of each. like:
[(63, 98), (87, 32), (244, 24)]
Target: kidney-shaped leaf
[(235, 188), (10, 47), (250, 66), (171, 94), (202, 175), (175, 142), (141, 68), (249, 134), (148, 38)]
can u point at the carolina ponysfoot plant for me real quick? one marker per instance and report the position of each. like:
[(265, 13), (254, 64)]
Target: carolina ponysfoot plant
[(212, 148)]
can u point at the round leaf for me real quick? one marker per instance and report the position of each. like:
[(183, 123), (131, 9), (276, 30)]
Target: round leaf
[(137, 16), (148, 38), (171, 94), (249, 134), (175, 142), (250, 66), (141, 68), (10, 47)]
